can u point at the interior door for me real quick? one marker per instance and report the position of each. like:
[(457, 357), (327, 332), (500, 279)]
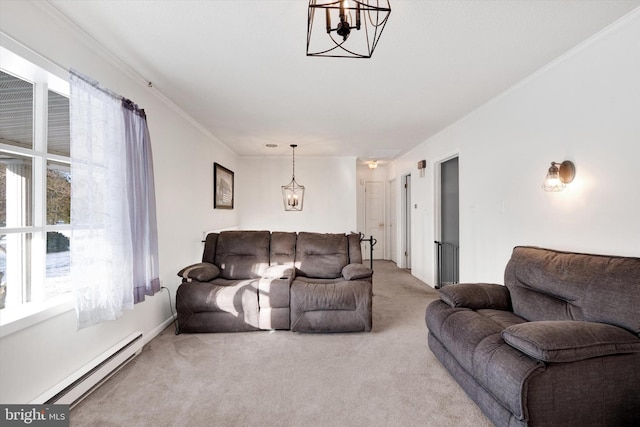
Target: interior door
[(449, 222), (374, 217), (392, 220), (406, 222)]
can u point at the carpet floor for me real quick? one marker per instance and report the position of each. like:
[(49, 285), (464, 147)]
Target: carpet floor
[(388, 377)]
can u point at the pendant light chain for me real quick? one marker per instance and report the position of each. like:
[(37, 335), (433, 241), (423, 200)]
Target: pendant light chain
[(294, 162)]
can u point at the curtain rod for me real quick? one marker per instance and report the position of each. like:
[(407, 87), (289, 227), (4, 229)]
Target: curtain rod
[(127, 103)]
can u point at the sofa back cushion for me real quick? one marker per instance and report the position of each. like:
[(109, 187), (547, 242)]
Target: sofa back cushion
[(242, 254), (210, 243), (283, 248), (355, 250), (552, 285), (321, 255)]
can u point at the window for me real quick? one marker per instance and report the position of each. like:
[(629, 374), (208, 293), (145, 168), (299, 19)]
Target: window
[(35, 184)]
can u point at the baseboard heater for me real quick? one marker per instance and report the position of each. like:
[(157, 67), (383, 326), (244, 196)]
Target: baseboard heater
[(73, 389)]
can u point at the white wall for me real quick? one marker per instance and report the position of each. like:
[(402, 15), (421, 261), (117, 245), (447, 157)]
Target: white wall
[(34, 359), (583, 107), (329, 198)]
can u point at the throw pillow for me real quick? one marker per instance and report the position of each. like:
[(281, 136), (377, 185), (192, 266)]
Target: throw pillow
[(356, 272), (200, 272)]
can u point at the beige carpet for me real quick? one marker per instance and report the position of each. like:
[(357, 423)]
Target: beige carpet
[(388, 377)]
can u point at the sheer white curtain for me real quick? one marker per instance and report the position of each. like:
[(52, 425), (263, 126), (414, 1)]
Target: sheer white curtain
[(142, 202), (103, 215)]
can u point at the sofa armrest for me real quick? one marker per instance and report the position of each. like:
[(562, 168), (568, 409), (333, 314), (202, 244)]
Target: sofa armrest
[(569, 340), (356, 272), (476, 296), (200, 272)]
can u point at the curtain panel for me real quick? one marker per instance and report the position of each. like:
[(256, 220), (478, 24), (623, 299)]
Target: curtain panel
[(142, 202), (114, 249)]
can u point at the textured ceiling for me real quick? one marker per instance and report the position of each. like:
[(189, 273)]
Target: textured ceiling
[(239, 68)]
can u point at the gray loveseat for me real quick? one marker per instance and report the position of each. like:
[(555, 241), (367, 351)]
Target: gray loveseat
[(261, 280), (559, 345)]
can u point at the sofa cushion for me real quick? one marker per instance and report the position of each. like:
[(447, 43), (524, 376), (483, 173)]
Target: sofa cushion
[(476, 295), (242, 254), (210, 243), (312, 295), (554, 285), (218, 306), (325, 305), (283, 248), (321, 255), (200, 272), (569, 341), (221, 295), (355, 250)]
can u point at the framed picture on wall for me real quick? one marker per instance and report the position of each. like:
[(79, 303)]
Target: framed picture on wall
[(222, 187)]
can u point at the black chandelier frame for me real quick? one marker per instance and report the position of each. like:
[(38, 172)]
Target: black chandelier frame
[(348, 15)]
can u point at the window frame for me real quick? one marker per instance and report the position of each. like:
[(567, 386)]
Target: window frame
[(46, 76)]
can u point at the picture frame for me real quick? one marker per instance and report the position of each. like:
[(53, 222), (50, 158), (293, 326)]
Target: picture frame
[(223, 191)]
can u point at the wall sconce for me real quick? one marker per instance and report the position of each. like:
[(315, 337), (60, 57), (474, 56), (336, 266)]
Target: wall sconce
[(422, 166), (373, 164), (559, 175)]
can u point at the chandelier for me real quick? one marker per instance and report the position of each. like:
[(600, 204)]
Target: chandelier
[(293, 193), (345, 28)]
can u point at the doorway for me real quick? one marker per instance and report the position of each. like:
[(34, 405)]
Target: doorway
[(447, 247), (392, 236), (406, 221), (374, 208)]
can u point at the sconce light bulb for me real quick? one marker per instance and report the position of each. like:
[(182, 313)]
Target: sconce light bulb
[(553, 181)]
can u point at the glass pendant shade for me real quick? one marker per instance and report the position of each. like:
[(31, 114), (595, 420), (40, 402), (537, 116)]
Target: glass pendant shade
[(559, 175), (293, 196), (553, 182)]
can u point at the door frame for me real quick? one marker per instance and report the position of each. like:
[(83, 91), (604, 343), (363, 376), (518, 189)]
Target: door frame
[(437, 203), (392, 221), (384, 219), (405, 248)]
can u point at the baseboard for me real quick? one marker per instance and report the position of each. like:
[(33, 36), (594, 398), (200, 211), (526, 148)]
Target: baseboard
[(81, 383)]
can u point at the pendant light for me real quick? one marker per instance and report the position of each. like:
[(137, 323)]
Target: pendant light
[(293, 193), (345, 28)]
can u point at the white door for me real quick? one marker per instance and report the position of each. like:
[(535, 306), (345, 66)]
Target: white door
[(374, 217)]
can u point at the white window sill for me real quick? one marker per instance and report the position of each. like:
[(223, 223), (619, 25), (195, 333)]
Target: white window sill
[(14, 319)]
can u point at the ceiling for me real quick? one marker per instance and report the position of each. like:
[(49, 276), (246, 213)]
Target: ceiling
[(239, 68)]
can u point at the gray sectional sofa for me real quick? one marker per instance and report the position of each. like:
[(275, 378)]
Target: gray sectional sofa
[(559, 345), (261, 280)]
